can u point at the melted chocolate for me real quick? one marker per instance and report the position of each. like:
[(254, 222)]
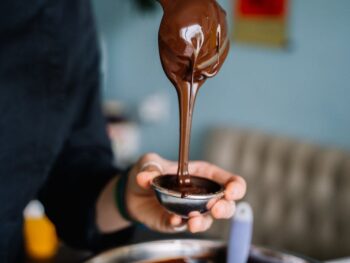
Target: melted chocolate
[(198, 186), (211, 257), (193, 44)]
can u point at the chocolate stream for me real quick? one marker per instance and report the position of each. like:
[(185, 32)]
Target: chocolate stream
[(193, 43)]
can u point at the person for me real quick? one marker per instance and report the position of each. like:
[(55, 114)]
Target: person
[(53, 141)]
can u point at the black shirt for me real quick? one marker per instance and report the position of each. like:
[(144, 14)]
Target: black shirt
[(52, 134)]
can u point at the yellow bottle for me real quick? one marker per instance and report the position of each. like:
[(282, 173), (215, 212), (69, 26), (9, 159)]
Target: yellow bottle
[(39, 233)]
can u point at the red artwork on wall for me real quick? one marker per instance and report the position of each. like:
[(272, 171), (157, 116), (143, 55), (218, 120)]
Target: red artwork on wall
[(261, 21), (262, 7)]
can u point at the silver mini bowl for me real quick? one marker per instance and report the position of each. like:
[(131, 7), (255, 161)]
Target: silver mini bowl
[(183, 206)]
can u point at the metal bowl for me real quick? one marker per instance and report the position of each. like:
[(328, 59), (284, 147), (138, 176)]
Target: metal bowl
[(189, 248), (176, 203)]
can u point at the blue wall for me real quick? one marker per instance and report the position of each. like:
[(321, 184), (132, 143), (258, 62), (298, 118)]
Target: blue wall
[(301, 92)]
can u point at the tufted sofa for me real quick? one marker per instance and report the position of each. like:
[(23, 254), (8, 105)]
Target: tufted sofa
[(300, 192)]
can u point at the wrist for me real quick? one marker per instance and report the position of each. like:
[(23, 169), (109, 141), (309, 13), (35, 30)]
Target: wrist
[(108, 218), (120, 195)]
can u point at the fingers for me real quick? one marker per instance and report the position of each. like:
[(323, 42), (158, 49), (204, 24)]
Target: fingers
[(178, 224), (151, 157), (235, 186), (155, 217), (175, 220), (194, 224), (235, 189), (199, 223), (144, 179), (210, 171), (154, 161), (173, 224), (150, 166), (223, 209)]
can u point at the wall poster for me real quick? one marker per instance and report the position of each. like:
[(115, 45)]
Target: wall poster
[(262, 22)]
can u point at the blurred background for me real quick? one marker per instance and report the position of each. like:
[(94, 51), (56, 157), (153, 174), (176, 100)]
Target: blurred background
[(277, 112)]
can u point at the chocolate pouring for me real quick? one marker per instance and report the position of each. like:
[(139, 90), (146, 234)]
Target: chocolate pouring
[(193, 44)]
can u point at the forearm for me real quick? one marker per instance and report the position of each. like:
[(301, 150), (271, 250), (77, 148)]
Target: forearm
[(108, 217)]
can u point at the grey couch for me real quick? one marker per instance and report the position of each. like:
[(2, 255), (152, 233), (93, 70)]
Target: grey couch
[(300, 192)]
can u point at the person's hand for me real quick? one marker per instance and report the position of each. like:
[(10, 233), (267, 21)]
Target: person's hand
[(145, 208)]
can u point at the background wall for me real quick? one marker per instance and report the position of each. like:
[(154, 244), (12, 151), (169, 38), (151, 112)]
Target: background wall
[(302, 91)]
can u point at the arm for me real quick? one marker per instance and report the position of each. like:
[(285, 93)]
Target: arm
[(83, 174), (108, 218)]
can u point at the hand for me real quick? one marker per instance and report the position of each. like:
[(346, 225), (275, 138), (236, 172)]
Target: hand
[(145, 208)]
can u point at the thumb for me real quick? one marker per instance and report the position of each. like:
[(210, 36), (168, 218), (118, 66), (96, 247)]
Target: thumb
[(145, 178)]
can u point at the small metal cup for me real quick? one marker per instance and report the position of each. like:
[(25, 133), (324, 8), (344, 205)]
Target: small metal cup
[(175, 203)]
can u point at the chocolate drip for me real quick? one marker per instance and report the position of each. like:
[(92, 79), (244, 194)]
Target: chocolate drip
[(193, 44)]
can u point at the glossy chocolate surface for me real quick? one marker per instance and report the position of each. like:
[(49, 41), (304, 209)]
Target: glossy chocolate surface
[(193, 44), (198, 186)]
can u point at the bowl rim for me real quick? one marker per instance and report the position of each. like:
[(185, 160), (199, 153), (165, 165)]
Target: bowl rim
[(165, 191), (209, 244), (200, 244)]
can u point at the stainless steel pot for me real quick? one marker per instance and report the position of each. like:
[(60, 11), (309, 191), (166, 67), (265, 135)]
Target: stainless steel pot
[(167, 249)]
